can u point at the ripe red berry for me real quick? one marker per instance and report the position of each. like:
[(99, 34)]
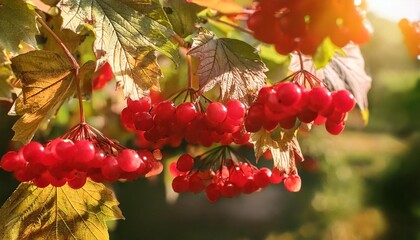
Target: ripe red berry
[(186, 112), (262, 177), (319, 98), (180, 184), (333, 127), (33, 151), (12, 161), (235, 109), (143, 121), (213, 192), (128, 160), (185, 163), (293, 183), (343, 101), (110, 169), (216, 112), (84, 151)]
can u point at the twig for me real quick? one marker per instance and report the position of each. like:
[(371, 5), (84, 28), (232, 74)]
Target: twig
[(76, 66)]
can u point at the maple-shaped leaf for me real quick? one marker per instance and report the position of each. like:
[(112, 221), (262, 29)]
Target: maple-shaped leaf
[(231, 63), (224, 6), (47, 80), (58, 213), (282, 144), (182, 15), (125, 30), (342, 72), (17, 24)]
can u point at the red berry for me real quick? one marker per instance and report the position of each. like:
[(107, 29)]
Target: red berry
[(319, 98), (262, 178), (216, 112), (77, 182), (343, 101), (143, 121), (235, 109), (12, 161), (110, 169), (84, 151), (333, 127), (293, 183), (186, 112), (180, 184), (128, 160), (33, 151), (288, 93), (213, 192), (185, 163), (276, 176)]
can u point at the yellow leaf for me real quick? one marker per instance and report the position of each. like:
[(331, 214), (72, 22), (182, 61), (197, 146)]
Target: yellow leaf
[(146, 74), (47, 80), (58, 213), (224, 6), (282, 144)]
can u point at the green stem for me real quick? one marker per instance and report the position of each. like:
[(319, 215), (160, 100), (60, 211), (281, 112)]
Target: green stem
[(76, 66)]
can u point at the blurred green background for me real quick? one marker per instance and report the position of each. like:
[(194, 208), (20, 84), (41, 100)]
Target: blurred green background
[(363, 184)]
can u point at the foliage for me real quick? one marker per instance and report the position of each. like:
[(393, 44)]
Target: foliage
[(56, 58)]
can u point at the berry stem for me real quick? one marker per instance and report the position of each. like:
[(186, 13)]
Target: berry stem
[(300, 60), (76, 66)]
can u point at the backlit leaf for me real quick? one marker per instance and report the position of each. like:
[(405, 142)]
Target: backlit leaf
[(147, 73), (343, 72), (5, 75), (47, 81), (283, 147), (182, 15), (224, 6), (17, 23), (124, 32), (324, 53), (231, 63), (58, 213)]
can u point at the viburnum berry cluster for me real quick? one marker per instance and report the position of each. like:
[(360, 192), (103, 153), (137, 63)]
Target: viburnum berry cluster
[(220, 173), (302, 25), (81, 153), (411, 32), (287, 103), (166, 123)]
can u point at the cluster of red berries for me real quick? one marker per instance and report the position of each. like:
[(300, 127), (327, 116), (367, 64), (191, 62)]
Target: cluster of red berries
[(63, 161), (166, 123), (411, 32), (227, 181), (284, 103), (302, 25)]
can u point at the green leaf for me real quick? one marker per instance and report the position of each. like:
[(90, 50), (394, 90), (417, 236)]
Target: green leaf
[(282, 144), (182, 15), (268, 52), (231, 63), (324, 53), (123, 33), (151, 8), (58, 213), (17, 23), (47, 81), (345, 71)]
